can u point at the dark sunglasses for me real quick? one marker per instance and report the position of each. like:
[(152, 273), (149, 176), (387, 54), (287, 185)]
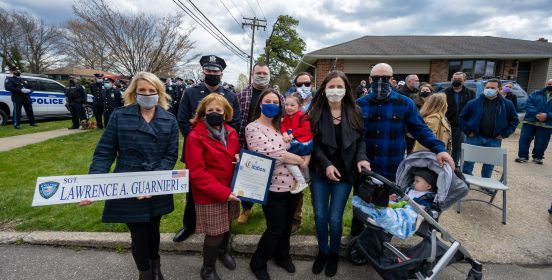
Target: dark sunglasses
[(307, 84), (383, 78)]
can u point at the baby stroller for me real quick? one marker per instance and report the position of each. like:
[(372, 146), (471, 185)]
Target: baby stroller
[(431, 255)]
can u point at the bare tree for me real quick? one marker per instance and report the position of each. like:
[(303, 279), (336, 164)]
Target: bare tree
[(38, 43), (137, 42), (9, 38), (81, 47), (192, 71)]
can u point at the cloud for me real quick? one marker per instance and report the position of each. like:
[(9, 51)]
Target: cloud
[(326, 23)]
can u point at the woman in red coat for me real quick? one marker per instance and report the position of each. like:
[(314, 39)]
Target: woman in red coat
[(211, 151)]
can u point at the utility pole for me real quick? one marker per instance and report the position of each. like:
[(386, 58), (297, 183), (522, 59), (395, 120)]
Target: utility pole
[(254, 23)]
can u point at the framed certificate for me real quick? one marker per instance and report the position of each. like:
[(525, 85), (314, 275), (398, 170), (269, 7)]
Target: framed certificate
[(253, 176)]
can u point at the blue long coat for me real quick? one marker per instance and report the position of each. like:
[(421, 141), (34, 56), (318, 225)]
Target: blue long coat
[(137, 146)]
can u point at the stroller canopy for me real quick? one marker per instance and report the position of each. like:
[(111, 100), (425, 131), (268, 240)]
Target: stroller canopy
[(451, 188)]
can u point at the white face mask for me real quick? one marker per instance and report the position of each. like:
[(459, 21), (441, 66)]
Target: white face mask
[(147, 101), (335, 94)]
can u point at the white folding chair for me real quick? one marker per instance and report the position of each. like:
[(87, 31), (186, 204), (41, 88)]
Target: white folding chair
[(486, 155)]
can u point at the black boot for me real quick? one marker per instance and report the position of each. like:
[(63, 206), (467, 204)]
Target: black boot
[(183, 234), (145, 275), (319, 262), (331, 265), (155, 266), (224, 255), (208, 271)]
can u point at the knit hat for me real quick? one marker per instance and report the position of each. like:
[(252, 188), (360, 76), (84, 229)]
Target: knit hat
[(429, 176)]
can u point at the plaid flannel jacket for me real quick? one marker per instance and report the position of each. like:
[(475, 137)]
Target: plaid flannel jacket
[(385, 125)]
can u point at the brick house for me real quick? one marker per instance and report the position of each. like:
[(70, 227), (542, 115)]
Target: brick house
[(436, 58)]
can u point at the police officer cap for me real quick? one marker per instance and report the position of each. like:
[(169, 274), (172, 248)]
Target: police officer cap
[(189, 81), (212, 62), (98, 75), (179, 79), (107, 79)]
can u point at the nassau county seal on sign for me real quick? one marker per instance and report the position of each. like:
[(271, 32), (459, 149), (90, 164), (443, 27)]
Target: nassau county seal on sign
[(48, 189)]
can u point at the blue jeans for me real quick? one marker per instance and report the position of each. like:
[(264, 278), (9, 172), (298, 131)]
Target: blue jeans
[(329, 200), (541, 136), (477, 140)]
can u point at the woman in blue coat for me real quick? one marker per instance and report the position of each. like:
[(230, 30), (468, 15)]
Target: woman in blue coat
[(141, 136)]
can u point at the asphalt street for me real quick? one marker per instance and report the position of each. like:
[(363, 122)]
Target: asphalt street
[(46, 262)]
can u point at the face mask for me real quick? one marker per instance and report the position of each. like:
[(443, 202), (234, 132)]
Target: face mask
[(214, 118), (17, 74), (417, 85), (261, 80), (456, 83), (506, 89), (98, 80), (212, 80), (107, 85), (425, 93), (147, 101), (489, 92), (270, 110), (548, 88), (363, 84), (335, 94), (304, 91), (381, 88)]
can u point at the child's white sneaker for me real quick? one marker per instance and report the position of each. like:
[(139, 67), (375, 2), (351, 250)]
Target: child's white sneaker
[(298, 187)]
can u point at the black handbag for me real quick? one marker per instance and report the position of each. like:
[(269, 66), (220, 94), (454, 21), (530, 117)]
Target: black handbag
[(373, 191)]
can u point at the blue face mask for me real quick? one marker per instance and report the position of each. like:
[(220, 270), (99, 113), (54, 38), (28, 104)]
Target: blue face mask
[(381, 88), (489, 92), (270, 110)]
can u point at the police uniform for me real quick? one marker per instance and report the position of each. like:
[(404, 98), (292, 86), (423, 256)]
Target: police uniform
[(178, 92), (96, 90), (186, 110), (112, 99), (76, 96), (15, 85)]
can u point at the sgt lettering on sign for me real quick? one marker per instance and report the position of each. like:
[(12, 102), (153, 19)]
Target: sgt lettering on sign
[(82, 192)]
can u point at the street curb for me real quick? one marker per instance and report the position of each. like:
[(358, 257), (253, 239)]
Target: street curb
[(301, 245)]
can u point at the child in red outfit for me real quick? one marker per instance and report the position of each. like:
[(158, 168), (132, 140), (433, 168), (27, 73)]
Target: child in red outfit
[(296, 130)]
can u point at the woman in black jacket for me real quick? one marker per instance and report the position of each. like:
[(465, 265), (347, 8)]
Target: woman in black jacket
[(339, 153), (141, 136)]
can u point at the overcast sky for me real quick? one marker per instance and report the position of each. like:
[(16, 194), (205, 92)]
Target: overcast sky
[(326, 23)]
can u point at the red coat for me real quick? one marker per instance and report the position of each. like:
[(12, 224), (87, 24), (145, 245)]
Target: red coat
[(300, 127), (210, 164)]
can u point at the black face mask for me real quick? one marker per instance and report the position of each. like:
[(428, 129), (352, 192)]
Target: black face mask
[(214, 118), (425, 93), (456, 83), (548, 88), (17, 74), (71, 82), (212, 80)]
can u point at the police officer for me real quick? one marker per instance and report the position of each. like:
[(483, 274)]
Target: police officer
[(179, 89), (112, 98), (20, 96), (96, 90), (76, 96), (170, 90), (213, 66), (189, 83)]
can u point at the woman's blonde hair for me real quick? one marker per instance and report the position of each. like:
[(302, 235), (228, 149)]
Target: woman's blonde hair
[(217, 98), (130, 92), (435, 103)]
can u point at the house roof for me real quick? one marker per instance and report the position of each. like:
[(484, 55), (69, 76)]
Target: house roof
[(404, 47), (77, 71)]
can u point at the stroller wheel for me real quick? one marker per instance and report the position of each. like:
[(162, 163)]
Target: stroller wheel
[(354, 254)]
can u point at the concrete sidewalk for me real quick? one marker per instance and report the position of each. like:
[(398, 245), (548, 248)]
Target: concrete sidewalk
[(9, 143)]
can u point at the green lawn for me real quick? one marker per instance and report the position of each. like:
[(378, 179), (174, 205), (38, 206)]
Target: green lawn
[(72, 154), (9, 130)]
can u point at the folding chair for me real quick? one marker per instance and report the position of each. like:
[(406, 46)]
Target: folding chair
[(486, 155)]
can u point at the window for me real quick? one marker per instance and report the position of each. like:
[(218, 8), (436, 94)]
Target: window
[(34, 84), (52, 86), (478, 69)]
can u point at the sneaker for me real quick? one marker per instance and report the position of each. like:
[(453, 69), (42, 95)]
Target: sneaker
[(244, 216), (345, 241), (521, 159), (298, 187), (537, 160)]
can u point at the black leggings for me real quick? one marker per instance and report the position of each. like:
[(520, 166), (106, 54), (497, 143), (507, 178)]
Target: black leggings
[(145, 242)]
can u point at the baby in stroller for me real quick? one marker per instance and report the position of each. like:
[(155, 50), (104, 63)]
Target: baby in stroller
[(425, 189)]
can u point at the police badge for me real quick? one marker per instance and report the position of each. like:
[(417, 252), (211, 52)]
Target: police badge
[(48, 189)]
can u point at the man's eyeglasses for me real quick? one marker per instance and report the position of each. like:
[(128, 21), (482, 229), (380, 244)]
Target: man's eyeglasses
[(307, 84), (382, 78)]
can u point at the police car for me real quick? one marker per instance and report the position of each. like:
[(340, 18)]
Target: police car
[(47, 98)]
